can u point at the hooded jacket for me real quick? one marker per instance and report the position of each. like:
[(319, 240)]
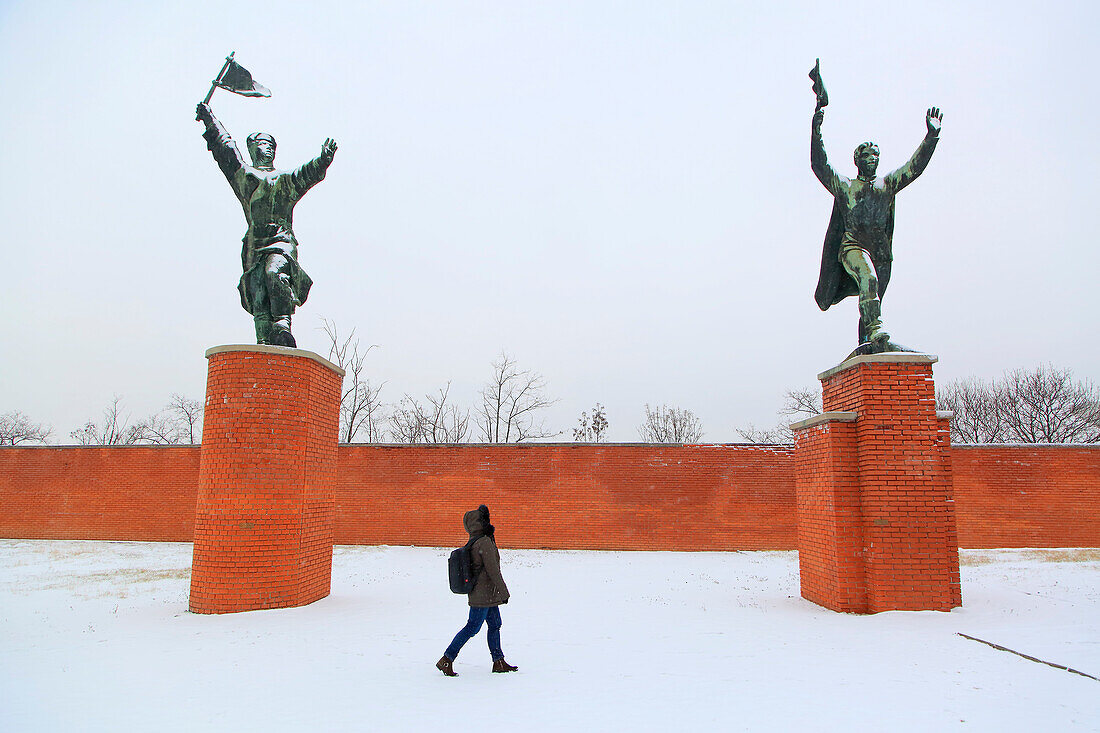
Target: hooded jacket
[(490, 589)]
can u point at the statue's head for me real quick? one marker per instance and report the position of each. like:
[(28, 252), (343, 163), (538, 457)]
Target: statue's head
[(261, 147), (866, 158)]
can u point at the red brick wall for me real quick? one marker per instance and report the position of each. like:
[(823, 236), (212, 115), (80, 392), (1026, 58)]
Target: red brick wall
[(628, 497), (134, 492), (1005, 496), (1027, 496)]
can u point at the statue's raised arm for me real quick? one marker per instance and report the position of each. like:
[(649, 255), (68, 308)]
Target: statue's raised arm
[(219, 142), (819, 161), (312, 172), (909, 172)]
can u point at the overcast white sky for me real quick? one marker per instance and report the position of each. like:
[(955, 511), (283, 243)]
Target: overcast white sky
[(618, 194)]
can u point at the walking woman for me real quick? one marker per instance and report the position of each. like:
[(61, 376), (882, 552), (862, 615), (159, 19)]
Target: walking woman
[(488, 594)]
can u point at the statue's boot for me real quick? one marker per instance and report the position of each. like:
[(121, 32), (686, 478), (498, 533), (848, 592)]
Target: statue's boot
[(280, 333), (263, 329), (870, 312)]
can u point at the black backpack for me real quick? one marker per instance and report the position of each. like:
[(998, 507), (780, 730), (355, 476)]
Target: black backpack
[(460, 570)]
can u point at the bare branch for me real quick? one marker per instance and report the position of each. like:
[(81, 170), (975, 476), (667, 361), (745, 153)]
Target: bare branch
[(187, 415), (362, 413), (797, 405), (778, 434), (978, 411), (801, 403), (591, 430), (179, 423), (113, 430), (16, 428), (508, 403), (434, 421), (1047, 405), (670, 425), (1043, 405)]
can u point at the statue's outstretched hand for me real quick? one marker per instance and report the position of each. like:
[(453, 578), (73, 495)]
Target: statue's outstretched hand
[(934, 119), (202, 112), (819, 115), (328, 149)]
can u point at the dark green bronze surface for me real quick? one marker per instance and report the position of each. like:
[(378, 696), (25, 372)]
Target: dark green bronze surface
[(858, 252), (273, 283)]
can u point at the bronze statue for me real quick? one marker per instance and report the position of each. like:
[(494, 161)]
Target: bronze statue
[(858, 251), (273, 283)]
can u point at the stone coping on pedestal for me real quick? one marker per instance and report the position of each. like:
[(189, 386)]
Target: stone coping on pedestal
[(890, 357), (280, 350), (835, 416)]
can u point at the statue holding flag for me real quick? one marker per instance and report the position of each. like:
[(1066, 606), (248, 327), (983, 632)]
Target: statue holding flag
[(858, 251), (273, 283)]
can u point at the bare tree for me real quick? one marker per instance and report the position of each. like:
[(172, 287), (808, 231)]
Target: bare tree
[(777, 434), (1047, 405), (362, 414), (509, 403), (179, 423), (798, 404), (801, 403), (670, 425), (1041, 405), (978, 411), (16, 428), (187, 414), (434, 421), (115, 428), (591, 429)]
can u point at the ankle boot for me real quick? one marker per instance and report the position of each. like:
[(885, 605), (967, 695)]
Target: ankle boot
[(280, 333), (263, 329), (444, 665), (499, 665), (870, 313)]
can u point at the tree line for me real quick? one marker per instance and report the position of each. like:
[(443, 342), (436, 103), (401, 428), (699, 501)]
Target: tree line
[(507, 409), (1045, 404), (1041, 405), (179, 422)]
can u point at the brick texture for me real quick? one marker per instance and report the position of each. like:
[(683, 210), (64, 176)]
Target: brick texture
[(720, 497), (132, 492), (612, 497), (264, 513), (830, 519), (875, 501), (1027, 496)]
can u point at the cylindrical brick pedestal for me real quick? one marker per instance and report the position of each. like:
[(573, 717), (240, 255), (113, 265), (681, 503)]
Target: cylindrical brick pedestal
[(264, 517), (876, 517)]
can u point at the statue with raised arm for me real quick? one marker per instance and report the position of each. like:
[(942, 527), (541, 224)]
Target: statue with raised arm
[(273, 283), (858, 251)]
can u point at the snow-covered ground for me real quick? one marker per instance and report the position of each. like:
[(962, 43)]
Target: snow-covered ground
[(95, 636)]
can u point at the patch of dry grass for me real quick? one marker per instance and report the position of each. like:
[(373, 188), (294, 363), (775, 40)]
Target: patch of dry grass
[(104, 582), (991, 557)]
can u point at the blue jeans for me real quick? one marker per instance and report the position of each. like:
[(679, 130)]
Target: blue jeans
[(478, 616)]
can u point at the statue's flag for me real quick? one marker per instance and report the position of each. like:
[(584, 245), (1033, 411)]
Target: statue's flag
[(238, 80), (819, 86)]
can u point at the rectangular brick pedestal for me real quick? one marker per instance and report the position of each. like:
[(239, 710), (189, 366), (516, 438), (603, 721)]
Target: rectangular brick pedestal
[(264, 516), (876, 522)]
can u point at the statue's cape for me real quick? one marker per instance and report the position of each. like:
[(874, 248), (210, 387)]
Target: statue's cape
[(834, 284)]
